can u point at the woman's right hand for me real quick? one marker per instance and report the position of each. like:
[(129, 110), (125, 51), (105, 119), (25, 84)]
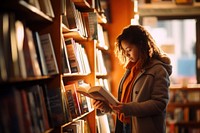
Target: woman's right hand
[(98, 104), (103, 106)]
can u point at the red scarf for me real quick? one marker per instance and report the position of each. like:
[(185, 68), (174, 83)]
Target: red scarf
[(127, 88)]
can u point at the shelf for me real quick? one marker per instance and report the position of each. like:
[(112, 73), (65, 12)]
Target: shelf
[(76, 35), (189, 87), (184, 123), (169, 10), (24, 80), (74, 75), (25, 10), (26, 94), (83, 5), (80, 117), (186, 104)]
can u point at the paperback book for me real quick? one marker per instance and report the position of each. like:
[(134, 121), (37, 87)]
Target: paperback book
[(98, 93)]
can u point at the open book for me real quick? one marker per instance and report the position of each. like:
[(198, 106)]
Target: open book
[(98, 93)]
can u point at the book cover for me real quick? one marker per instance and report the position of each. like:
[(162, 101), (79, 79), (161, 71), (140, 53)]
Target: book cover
[(31, 58), (65, 59), (103, 125), (98, 93), (34, 3), (65, 103), (76, 100), (79, 57), (27, 57), (26, 112), (41, 58), (48, 50), (72, 128), (33, 111), (55, 106), (85, 102), (40, 104), (100, 64), (3, 71), (82, 58), (91, 24), (65, 21), (70, 100), (10, 45), (101, 38), (50, 11), (74, 66), (71, 15), (20, 38), (11, 116), (85, 60)]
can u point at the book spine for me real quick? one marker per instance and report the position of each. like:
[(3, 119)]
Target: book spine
[(49, 54)]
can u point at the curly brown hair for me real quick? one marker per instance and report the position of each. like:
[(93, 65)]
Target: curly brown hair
[(137, 35)]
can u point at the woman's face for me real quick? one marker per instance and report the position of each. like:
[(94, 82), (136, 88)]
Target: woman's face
[(131, 51)]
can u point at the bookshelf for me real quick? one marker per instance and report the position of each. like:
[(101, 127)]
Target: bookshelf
[(41, 98), (183, 110), (168, 9)]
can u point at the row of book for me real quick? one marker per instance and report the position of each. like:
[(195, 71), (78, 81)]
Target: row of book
[(185, 114), (90, 4), (100, 63), (79, 126), (173, 128), (38, 108), (43, 5), (23, 110), (24, 53), (75, 59), (85, 23), (76, 104), (181, 96), (82, 104)]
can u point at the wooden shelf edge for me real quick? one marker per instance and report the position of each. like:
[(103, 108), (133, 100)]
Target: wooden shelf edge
[(185, 87), (169, 10), (83, 115)]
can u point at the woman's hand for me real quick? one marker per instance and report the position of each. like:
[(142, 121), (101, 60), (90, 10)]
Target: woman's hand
[(118, 108), (98, 104), (103, 106)]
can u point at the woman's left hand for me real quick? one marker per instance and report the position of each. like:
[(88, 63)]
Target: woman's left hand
[(118, 108)]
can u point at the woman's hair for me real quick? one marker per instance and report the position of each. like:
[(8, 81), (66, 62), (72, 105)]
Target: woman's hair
[(140, 37)]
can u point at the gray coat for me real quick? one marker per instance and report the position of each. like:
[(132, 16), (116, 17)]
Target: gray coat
[(150, 97)]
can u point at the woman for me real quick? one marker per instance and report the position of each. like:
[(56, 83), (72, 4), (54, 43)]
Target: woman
[(143, 90)]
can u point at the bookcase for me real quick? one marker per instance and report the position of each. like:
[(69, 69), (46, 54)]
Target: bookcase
[(168, 9), (183, 110), (34, 78)]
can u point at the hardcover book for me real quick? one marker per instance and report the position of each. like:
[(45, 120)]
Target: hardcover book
[(55, 106), (65, 59), (98, 93), (41, 58), (72, 88), (74, 66), (49, 54)]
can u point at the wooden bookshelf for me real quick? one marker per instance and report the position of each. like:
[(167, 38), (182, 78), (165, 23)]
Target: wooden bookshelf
[(38, 21), (169, 9), (184, 107)]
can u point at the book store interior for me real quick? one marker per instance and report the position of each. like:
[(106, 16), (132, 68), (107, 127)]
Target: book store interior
[(100, 66)]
